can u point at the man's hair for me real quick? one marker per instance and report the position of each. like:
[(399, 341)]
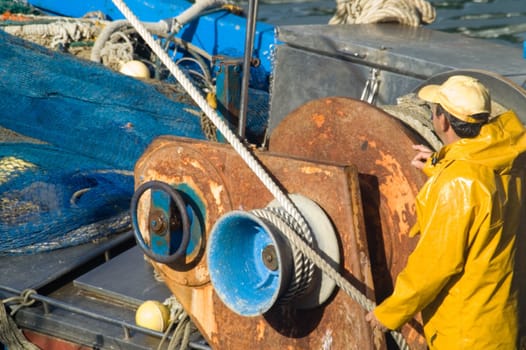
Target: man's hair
[(464, 129)]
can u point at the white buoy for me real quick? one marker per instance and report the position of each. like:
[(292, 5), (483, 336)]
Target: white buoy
[(135, 69)]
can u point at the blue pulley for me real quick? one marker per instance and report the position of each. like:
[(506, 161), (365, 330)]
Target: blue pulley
[(253, 267), (249, 263)]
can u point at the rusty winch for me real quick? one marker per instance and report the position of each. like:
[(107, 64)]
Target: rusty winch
[(217, 235)]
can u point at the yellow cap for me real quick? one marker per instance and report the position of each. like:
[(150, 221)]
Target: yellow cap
[(460, 95)]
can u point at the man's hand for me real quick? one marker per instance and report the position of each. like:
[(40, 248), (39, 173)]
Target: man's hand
[(421, 157), (375, 324)]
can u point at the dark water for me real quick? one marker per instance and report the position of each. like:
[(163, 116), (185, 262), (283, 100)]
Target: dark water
[(502, 21)]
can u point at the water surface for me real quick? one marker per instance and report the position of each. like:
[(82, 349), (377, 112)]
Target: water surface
[(503, 21)]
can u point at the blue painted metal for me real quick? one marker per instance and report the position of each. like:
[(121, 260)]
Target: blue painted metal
[(238, 272), (218, 33), (168, 223), (166, 236), (524, 49), (196, 211), (162, 241)]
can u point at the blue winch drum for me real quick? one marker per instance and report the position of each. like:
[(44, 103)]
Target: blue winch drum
[(249, 261)]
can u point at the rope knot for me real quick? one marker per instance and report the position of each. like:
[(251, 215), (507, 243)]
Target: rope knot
[(20, 301)]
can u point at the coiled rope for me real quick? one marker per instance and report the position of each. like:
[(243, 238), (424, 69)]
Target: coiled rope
[(413, 112), (115, 27), (255, 166), (303, 269), (409, 12), (182, 323), (10, 335), (56, 34)]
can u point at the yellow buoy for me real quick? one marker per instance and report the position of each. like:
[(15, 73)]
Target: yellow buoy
[(135, 69), (152, 315)]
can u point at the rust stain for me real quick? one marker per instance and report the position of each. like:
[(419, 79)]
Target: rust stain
[(318, 119), (398, 193), (371, 144)]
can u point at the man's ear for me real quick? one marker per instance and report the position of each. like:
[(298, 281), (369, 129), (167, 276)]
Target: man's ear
[(443, 122)]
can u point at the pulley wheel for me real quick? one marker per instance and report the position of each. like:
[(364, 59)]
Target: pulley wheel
[(202, 186)]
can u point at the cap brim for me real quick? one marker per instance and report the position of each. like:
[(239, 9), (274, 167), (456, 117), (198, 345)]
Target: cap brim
[(429, 93)]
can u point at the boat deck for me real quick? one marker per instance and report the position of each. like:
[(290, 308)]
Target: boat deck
[(87, 294)]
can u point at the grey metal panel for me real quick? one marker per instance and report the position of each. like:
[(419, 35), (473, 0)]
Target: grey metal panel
[(127, 278), (318, 61), (36, 270), (107, 296), (80, 329), (413, 51), (303, 76)]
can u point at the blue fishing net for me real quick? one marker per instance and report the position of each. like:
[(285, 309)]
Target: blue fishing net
[(92, 124), (66, 177), (52, 198), (84, 107)]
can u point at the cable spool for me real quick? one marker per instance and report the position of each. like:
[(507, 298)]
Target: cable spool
[(253, 267)]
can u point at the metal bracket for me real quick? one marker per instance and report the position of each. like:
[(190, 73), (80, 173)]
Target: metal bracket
[(370, 90)]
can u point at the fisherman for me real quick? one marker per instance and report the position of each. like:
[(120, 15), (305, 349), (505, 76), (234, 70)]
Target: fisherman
[(461, 275)]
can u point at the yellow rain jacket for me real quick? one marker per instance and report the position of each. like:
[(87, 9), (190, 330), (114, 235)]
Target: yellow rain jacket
[(461, 272)]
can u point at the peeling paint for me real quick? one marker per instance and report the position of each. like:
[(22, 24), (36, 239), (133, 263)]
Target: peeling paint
[(315, 170), (201, 273), (326, 343), (196, 164), (216, 190), (202, 310), (260, 330)]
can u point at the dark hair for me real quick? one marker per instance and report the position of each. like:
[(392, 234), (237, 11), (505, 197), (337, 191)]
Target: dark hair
[(464, 129)]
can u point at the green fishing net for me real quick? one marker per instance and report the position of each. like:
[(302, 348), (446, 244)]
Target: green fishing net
[(17, 6)]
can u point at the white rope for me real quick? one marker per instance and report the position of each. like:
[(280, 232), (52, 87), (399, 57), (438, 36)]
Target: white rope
[(117, 51), (253, 164), (330, 271), (413, 112), (202, 103), (409, 12), (303, 269), (59, 33)]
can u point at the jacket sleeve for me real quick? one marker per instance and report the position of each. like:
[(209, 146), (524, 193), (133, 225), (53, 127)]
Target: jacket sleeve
[(444, 212)]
